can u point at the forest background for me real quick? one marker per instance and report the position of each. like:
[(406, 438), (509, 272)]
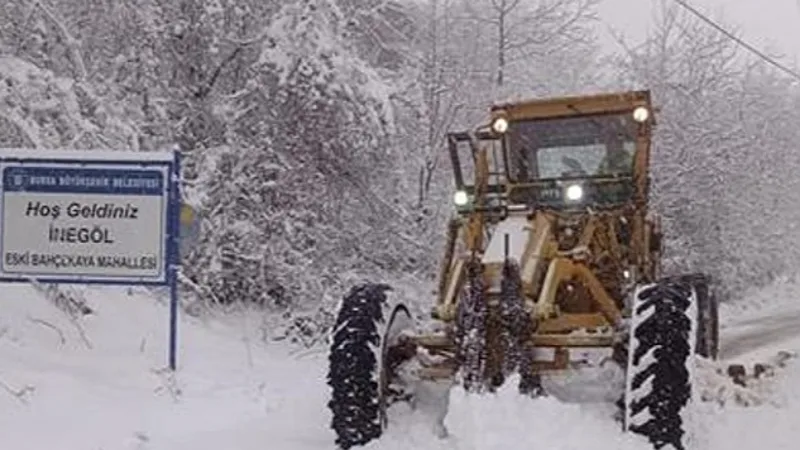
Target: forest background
[(313, 130)]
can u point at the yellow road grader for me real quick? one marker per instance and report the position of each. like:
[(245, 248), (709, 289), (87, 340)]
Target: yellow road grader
[(552, 262)]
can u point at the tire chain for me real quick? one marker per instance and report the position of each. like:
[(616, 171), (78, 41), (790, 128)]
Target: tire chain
[(517, 327), (471, 329)]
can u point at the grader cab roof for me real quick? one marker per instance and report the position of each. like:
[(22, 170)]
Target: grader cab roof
[(572, 106)]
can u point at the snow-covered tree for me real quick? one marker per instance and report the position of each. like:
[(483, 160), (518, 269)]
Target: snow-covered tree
[(723, 156), (534, 47), (453, 65), (307, 190)]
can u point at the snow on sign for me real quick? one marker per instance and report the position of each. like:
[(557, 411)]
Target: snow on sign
[(97, 221)]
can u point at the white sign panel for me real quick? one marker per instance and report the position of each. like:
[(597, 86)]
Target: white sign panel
[(98, 222)]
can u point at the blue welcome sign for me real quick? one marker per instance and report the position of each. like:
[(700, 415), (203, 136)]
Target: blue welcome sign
[(92, 217)]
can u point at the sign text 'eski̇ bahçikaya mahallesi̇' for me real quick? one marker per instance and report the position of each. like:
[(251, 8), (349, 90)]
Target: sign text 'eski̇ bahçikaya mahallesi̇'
[(78, 221)]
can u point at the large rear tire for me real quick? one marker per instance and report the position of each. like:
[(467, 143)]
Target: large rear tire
[(360, 362), (663, 338)]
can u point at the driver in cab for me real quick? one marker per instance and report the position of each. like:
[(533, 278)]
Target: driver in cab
[(617, 161)]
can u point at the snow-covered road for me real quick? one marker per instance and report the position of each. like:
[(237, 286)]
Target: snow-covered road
[(107, 393), (759, 334)]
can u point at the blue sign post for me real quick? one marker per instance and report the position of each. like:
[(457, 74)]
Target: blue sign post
[(93, 218)]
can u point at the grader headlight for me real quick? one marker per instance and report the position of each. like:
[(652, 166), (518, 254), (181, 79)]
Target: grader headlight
[(500, 125), (641, 114), (460, 198), (574, 192)]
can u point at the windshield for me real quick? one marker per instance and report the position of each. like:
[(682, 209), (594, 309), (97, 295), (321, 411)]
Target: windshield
[(589, 146)]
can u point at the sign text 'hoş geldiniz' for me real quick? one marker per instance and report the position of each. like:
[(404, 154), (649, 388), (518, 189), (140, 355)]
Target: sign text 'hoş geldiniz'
[(90, 221)]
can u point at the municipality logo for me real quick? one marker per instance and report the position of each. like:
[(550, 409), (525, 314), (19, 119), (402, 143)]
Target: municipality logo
[(14, 178)]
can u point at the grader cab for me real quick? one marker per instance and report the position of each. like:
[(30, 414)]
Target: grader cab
[(551, 263)]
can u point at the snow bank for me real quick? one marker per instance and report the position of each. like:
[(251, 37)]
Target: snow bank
[(773, 425), (507, 420)]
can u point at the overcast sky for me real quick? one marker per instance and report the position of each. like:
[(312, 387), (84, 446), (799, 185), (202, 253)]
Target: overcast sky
[(769, 25)]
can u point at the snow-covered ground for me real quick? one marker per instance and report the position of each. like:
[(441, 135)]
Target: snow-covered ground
[(228, 394), (101, 385)]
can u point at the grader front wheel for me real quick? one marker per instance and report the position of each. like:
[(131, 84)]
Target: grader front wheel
[(361, 362), (672, 320)]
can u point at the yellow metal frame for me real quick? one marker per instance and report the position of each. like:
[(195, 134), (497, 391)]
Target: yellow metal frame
[(543, 267)]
